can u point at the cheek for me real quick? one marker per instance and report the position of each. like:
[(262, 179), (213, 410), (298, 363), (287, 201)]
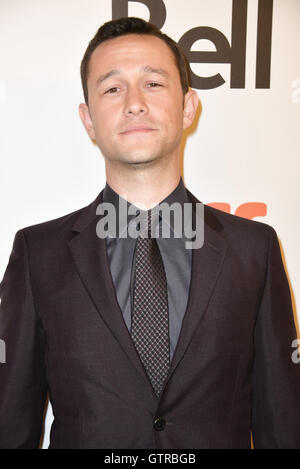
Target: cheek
[(103, 113), (105, 121), (169, 114), (174, 122)]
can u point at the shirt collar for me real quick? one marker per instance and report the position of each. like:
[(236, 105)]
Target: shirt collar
[(178, 195)]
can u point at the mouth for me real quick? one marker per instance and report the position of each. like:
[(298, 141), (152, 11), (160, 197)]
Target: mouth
[(139, 130)]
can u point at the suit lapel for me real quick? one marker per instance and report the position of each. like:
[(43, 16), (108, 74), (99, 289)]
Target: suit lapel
[(90, 257), (207, 263)]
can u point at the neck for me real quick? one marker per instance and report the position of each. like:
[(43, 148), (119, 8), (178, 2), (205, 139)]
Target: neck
[(143, 186)]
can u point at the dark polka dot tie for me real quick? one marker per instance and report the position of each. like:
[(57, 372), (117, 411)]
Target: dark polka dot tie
[(150, 316)]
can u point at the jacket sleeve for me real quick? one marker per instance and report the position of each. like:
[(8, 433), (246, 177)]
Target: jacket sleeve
[(22, 374), (276, 378)]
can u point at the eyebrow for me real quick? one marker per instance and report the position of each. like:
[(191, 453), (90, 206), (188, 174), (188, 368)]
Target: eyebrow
[(146, 69), (160, 71)]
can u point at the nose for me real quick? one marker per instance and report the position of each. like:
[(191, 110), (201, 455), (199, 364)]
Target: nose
[(135, 103)]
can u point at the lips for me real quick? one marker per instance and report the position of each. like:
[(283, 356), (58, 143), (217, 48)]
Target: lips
[(137, 129)]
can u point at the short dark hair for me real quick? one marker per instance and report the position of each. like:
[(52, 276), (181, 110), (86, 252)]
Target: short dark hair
[(132, 25)]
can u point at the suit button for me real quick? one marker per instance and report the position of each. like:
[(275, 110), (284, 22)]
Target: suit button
[(159, 424)]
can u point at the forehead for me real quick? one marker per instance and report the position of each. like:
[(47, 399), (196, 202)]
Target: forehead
[(131, 50)]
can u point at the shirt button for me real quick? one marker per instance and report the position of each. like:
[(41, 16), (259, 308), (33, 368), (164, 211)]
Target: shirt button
[(159, 424)]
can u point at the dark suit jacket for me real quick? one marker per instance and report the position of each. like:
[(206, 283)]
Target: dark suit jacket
[(231, 374)]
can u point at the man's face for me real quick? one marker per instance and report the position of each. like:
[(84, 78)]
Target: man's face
[(135, 112)]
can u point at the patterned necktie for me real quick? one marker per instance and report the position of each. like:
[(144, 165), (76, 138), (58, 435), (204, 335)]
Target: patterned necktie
[(150, 318)]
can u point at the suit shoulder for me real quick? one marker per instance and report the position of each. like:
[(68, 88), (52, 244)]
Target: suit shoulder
[(239, 225), (60, 228), (228, 223), (55, 224), (246, 239)]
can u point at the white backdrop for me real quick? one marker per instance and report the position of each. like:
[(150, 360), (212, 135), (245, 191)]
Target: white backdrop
[(245, 148)]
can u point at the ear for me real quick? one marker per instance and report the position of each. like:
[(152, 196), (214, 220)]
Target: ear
[(85, 117), (191, 102)]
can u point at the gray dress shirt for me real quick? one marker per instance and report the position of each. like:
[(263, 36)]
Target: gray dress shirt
[(176, 258)]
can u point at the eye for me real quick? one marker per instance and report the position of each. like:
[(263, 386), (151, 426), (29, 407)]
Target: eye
[(112, 90), (154, 84)]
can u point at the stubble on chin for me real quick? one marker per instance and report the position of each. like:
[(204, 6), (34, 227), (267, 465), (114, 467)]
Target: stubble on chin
[(135, 159)]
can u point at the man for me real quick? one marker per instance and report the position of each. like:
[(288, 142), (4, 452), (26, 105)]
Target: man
[(139, 341)]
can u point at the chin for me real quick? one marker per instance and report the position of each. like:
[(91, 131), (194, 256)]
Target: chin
[(138, 158)]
